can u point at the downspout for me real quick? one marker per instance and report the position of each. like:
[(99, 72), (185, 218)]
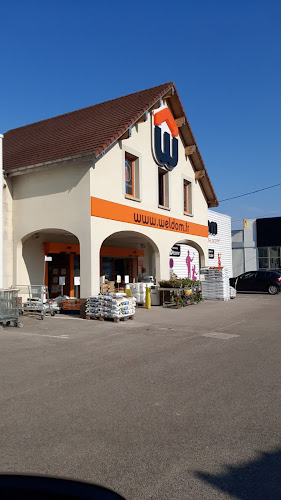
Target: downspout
[(1, 211)]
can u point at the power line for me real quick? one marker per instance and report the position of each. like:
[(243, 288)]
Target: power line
[(251, 192), (258, 217)]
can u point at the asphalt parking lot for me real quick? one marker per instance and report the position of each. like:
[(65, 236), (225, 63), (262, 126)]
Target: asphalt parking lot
[(177, 404)]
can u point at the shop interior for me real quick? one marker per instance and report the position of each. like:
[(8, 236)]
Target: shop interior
[(127, 254)]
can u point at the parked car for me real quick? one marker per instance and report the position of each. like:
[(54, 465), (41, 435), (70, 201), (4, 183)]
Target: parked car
[(258, 281)]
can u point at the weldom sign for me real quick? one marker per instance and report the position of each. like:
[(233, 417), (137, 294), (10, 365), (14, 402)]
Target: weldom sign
[(213, 228), (165, 138)]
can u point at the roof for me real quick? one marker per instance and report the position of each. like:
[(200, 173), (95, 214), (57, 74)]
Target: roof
[(91, 131)]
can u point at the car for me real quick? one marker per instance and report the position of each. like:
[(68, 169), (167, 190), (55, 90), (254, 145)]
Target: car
[(258, 281)]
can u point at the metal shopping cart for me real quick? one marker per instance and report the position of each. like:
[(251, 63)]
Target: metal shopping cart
[(9, 307), (35, 299)]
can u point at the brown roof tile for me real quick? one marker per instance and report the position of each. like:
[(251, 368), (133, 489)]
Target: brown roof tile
[(88, 130), (82, 131)]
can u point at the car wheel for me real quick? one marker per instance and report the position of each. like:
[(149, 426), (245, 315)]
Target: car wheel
[(273, 289)]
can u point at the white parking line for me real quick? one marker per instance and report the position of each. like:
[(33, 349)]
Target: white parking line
[(220, 335), (232, 324), (43, 335)]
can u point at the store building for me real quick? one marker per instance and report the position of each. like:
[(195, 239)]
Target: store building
[(257, 245), (105, 190)]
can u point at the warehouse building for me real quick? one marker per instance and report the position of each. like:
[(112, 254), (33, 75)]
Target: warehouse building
[(257, 245), (104, 191)]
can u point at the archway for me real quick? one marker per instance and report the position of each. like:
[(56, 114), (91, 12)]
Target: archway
[(186, 259), (52, 257), (131, 254)]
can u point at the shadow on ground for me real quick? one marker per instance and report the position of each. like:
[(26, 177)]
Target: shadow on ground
[(259, 479)]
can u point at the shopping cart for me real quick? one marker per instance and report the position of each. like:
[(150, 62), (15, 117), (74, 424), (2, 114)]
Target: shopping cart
[(9, 307), (35, 299)]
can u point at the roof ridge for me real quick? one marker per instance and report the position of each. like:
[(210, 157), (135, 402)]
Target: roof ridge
[(92, 106)]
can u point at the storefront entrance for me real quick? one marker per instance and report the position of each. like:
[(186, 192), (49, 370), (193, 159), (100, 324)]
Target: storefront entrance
[(127, 254), (62, 268), (65, 266), (52, 257)]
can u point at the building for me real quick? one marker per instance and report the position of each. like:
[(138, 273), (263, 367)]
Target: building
[(104, 191), (257, 245)]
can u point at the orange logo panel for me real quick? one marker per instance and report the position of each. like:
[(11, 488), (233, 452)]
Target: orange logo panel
[(166, 116)]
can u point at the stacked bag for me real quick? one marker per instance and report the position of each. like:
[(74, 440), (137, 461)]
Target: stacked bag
[(216, 283), (111, 305), (138, 291)]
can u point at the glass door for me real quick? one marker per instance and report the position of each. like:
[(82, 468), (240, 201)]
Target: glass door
[(274, 257)]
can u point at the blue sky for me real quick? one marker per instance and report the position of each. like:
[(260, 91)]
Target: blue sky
[(224, 57)]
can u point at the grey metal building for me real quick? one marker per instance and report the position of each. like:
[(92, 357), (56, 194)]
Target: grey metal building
[(257, 245)]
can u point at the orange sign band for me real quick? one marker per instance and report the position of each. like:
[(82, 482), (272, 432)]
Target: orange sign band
[(123, 213)]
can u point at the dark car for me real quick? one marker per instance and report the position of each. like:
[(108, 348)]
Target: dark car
[(258, 281)]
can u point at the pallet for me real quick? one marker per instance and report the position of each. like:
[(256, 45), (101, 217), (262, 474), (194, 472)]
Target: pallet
[(70, 312), (114, 320)]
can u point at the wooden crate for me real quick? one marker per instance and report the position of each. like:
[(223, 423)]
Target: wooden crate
[(71, 305)]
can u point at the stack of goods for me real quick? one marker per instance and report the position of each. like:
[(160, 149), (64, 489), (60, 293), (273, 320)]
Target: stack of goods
[(138, 291), (83, 303), (94, 305), (111, 305), (59, 300), (108, 287), (216, 283), (19, 302)]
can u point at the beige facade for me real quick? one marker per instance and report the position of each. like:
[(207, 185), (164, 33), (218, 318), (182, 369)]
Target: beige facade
[(53, 204)]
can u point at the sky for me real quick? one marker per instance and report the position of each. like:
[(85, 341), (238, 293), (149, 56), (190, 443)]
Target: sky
[(223, 56)]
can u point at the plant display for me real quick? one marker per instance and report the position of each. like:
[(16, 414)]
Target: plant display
[(186, 291), (178, 283)]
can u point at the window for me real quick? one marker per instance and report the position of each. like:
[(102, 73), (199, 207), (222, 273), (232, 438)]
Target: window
[(269, 257), (248, 276), (163, 188), (132, 189), (263, 258), (187, 201)]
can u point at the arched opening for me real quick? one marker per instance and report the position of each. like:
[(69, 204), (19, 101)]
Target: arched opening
[(51, 257), (186, 260), (130, 254)]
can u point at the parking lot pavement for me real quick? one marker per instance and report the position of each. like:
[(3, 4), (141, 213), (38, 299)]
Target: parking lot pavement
[(174, 404)]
